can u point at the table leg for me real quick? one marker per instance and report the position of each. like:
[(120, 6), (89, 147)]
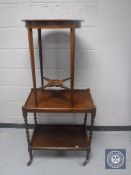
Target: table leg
[(85, 119), (40, 56), (31, 48), (35, 119), (93, 113), (72, 59), (27, 135)]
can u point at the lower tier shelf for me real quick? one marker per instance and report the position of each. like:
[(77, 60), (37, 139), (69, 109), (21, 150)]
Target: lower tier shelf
[(60, 137)]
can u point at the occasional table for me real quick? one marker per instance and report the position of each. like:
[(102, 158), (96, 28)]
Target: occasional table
[(57, 100)]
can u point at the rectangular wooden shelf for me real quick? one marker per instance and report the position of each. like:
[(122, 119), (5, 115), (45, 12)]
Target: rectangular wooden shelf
[(60, 137), (79, 100)]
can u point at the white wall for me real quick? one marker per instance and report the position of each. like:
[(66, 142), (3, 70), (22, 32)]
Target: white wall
[(102, 54)]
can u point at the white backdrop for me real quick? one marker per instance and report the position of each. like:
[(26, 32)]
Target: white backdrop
[(103, 54)]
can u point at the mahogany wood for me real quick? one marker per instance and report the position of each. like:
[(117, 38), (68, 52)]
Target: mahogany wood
[(66, 137), (62, 137), (31, 48), (59, 101), (55, 23), (72, 55), (40, 56), (55, 82)]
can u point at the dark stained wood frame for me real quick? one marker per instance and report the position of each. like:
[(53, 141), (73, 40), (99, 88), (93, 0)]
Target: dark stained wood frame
[(36, 101)]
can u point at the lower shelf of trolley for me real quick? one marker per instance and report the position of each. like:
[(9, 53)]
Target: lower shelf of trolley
[(60, 137)]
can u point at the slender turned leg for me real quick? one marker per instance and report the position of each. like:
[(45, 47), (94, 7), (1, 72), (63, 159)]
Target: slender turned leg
[(85, 119), (72, 55), (72, 59), (93, 113), (35, 119), (31, 48), (40, 56), (28, 136), (87, 157)]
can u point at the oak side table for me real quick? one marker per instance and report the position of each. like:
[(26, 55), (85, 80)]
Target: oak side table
[(62, 100)]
